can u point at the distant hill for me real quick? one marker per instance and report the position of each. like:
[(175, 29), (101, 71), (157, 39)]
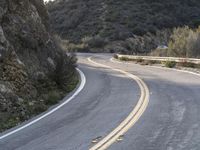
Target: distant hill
[(119, 20)]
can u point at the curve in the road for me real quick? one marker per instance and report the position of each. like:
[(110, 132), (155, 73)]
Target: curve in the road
[(81, 86), (132, 117)]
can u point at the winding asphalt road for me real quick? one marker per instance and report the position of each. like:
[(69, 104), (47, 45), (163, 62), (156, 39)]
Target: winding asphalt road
[(170, 122)]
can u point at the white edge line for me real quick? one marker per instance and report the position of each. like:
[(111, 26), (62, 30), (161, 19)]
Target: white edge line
[(80, 88), (164, 68)]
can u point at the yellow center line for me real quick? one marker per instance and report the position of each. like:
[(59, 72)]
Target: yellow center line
[(132, 118)]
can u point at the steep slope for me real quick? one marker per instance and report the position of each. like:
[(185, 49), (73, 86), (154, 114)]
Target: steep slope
[(118, 20), (30, 61)]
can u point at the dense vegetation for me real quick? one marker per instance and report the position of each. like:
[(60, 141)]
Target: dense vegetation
[(183, 42), (131, 26)]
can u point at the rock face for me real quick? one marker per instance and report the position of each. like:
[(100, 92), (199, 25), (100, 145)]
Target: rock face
[(28, 56)]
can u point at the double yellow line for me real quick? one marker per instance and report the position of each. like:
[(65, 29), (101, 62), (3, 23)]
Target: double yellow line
[(132, 117)]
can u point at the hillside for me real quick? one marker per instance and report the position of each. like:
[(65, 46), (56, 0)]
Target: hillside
[(34, 71), (116, 20)]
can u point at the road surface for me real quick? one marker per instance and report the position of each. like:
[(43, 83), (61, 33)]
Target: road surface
[(170, 122)]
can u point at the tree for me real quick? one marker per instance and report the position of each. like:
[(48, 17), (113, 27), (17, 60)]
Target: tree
[(185, 42)]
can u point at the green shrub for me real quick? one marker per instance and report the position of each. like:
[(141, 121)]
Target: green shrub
[(138, 30), (38, 108), (53, 98), (65, 70), (72, 85), (170, 64), (94, 42), (185, 42), (8, 123), (124, 59)]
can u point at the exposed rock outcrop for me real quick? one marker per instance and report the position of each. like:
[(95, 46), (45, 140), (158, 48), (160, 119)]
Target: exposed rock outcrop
[(28, 59)]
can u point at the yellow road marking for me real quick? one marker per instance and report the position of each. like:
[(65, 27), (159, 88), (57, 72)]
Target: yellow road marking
[(132, 118)]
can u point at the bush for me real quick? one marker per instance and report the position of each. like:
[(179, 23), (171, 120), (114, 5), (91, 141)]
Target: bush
[(124, 59), (68, 46), (10, 122), (185, 42), (72, 85), (52, 98), (139, 30), (94, 42), (170, 64), (115, 47), (40, 107), (65, 70)]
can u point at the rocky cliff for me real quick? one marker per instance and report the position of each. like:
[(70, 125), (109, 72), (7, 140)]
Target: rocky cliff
[(29, 60)]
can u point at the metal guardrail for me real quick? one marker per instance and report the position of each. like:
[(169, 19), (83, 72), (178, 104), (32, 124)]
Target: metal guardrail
[(175, 59)]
